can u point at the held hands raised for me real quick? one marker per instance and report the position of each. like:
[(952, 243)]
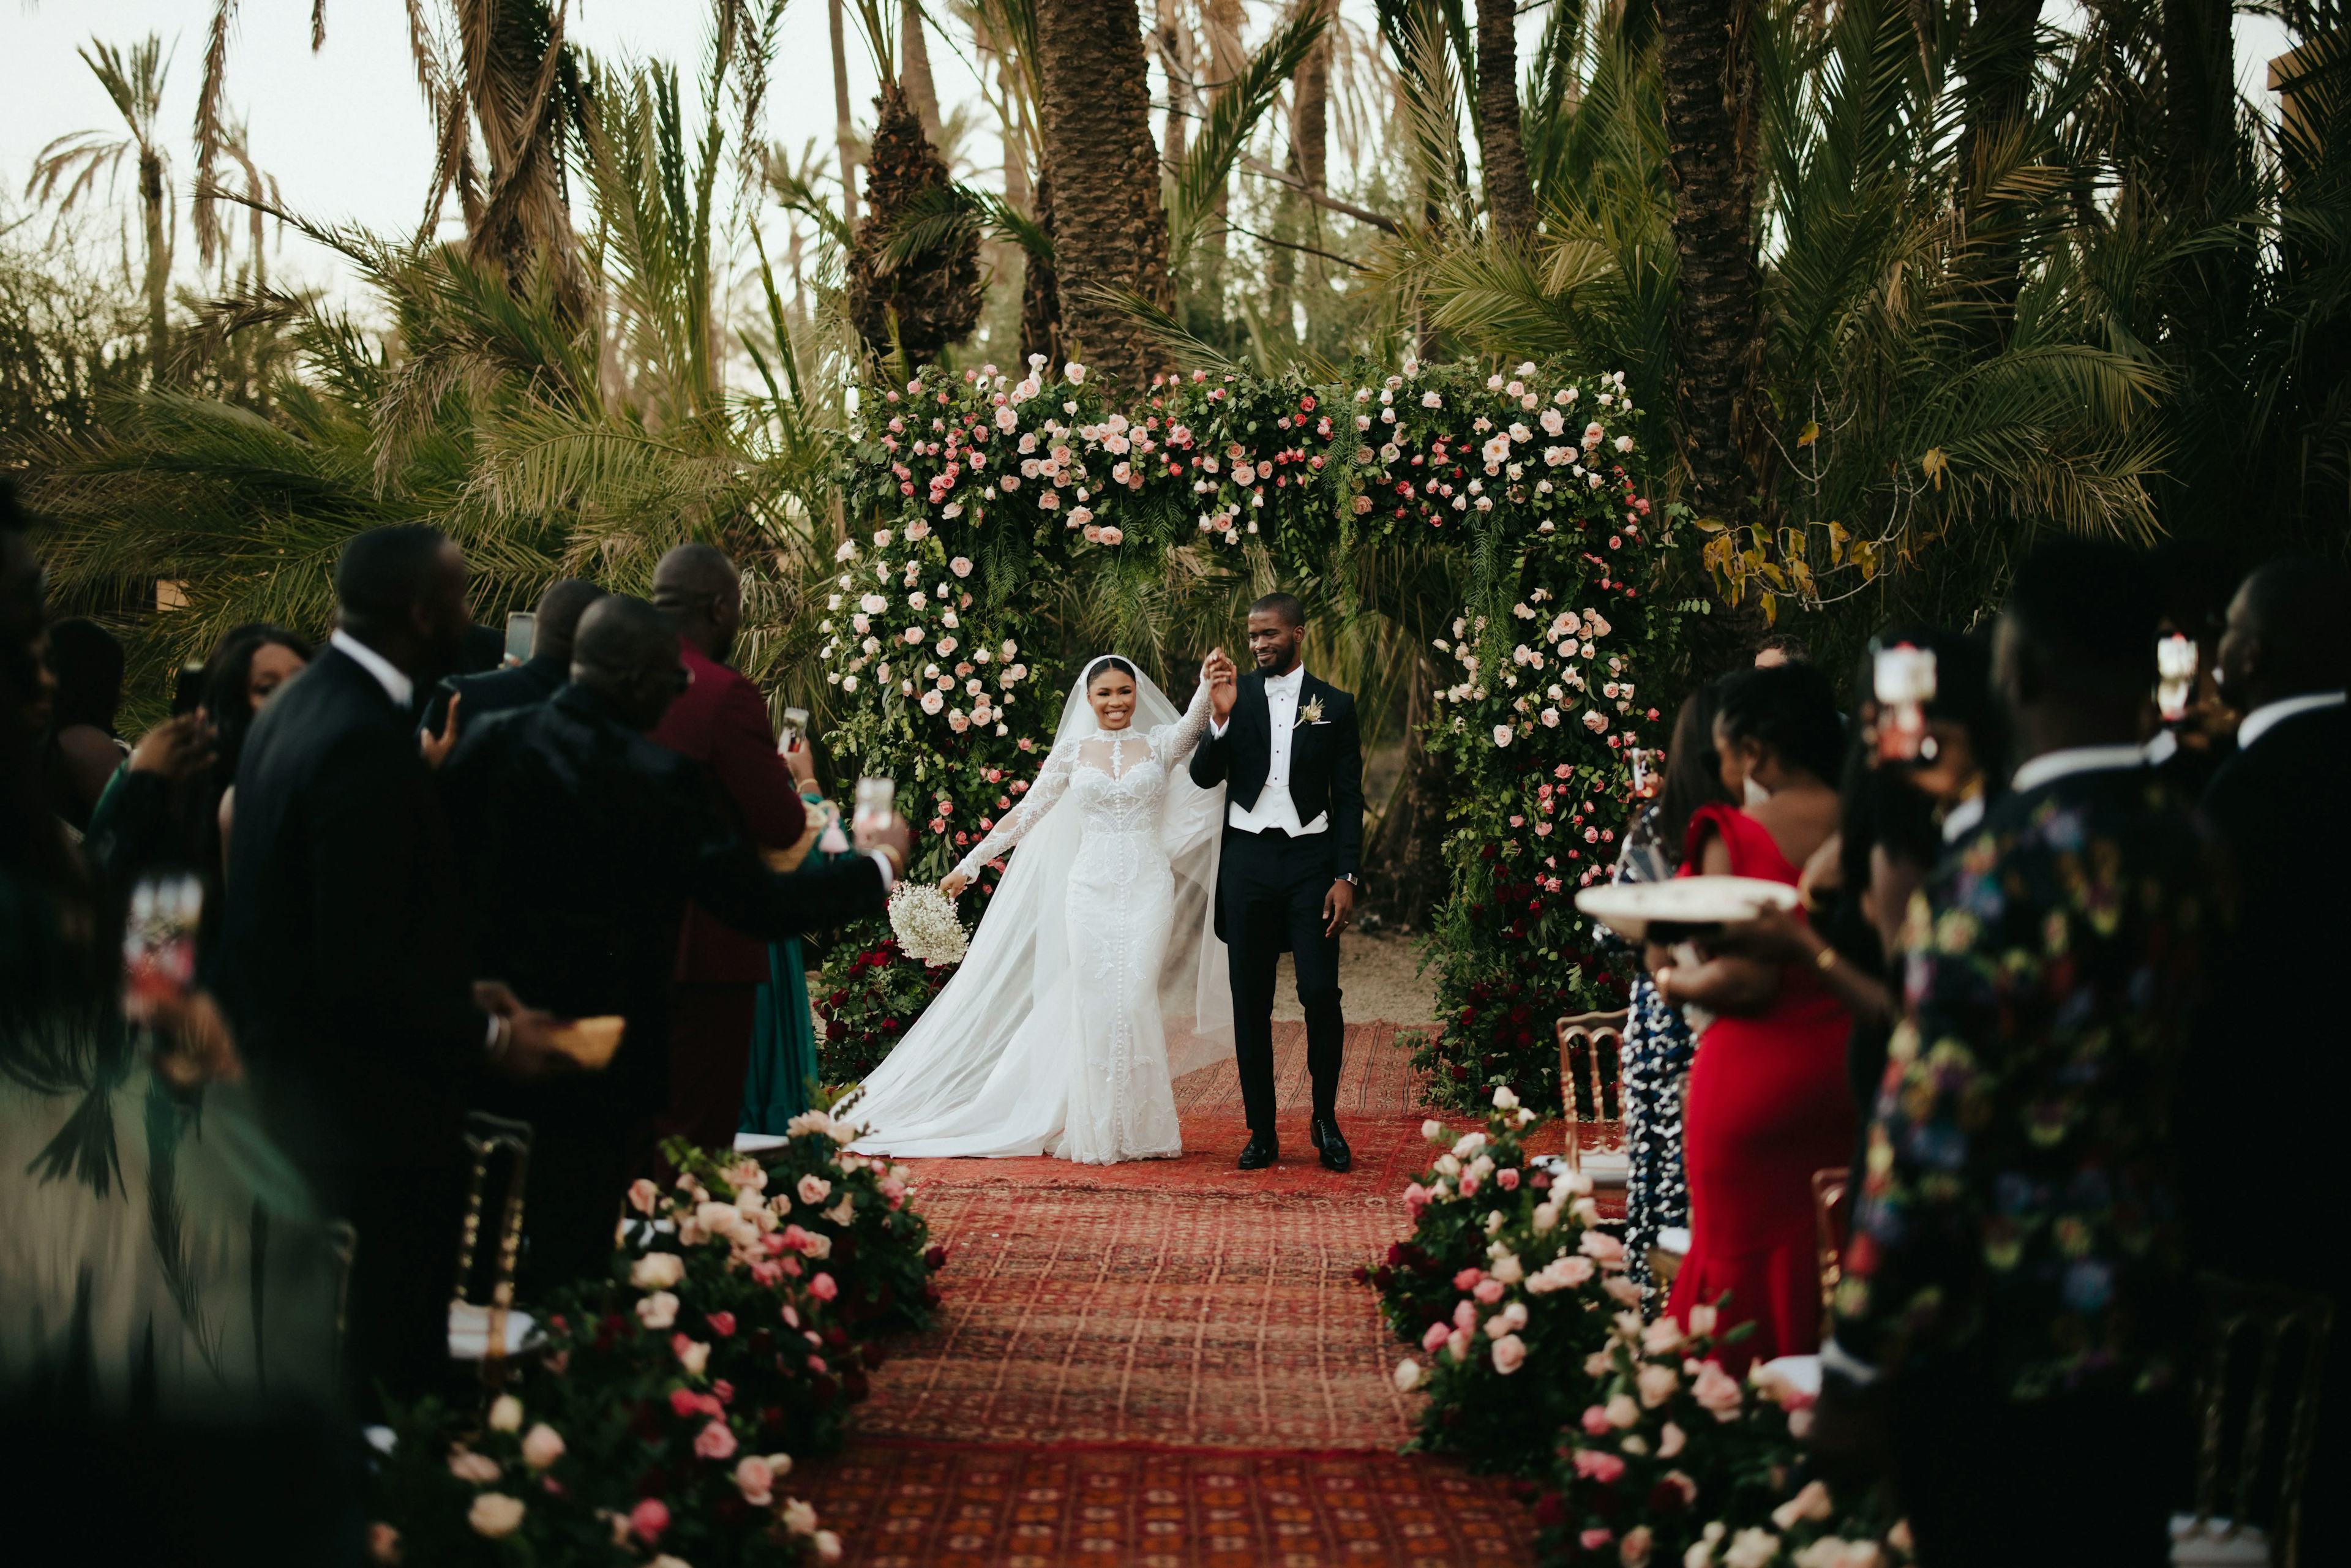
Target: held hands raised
[(1220, 674)]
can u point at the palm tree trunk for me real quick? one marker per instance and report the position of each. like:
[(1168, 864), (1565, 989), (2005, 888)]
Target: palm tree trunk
[(1707, 63), (914, 72), (1175, 58), (1041, 292), (2199, 95), (158, 281), (844, 129), (1109, 230), (1509, 198), (1310, 115)]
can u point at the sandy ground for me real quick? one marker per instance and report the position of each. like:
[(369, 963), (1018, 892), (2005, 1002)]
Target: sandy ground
[(1380, 976)]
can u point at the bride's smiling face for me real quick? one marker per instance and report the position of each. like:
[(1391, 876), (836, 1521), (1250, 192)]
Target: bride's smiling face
[(1112, 693)]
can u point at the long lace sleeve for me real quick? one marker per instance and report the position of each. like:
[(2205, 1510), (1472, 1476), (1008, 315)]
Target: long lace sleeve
[(1174, 742), (1052, 780)]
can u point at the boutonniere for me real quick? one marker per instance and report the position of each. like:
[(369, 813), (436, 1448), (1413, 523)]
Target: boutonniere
[(1310, 714)]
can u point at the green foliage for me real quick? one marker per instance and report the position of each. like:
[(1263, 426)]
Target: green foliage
[(871, 995)]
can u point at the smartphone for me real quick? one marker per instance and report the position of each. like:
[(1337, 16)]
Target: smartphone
[(795, 729), (2175, 669), (188, 690), (875, 800), (1648, 770), (522, 630), (159, 939), (1903, 679)]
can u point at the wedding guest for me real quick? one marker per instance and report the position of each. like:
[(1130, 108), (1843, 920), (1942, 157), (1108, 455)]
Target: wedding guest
[(1658, 1044), (592, 935), (1767, 1103), (2018, 1284), (721, 722), (342, 959), (2193, 582), (536, 679), (83, 751), (2282, 663), (1782, 648), (783, 1063)]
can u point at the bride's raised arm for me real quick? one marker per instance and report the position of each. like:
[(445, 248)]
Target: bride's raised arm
[(1053, 781), (1174, 742)]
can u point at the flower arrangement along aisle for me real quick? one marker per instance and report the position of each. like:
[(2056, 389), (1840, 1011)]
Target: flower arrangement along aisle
[(1504, 1287), (870, 996), (1675, 1461), (977, 499)]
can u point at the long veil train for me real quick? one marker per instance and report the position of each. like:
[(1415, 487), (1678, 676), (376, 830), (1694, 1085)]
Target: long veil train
[(986, 1071)]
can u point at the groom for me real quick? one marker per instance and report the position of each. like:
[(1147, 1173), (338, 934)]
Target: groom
[(1287, 748)]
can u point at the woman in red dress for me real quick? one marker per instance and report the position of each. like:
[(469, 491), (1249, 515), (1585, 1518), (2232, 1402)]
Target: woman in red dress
[(1767, 1101)]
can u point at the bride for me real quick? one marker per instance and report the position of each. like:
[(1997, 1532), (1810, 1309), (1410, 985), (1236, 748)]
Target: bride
[(1095, 978)]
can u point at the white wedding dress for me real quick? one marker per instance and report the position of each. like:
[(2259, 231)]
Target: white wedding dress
[(1095, 978)]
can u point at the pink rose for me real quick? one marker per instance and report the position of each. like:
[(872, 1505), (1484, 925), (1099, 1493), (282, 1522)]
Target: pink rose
[(1592, 1464), (1595, 1538), (1489, 1291), (1670, 1441), (823, 1288), (1507, 1179), (755, 1479), (1467, 1279), (1509, 1354), (541, 1447), (644, 1195), (468, 1466), (1602, 1248), (1595, 1420), (715, 1441), (1468, 1187), (1717, 1392), (1657, 1384), (648, 1519), (1632, 1551), (767, 1271), (721, 1324), (1433, 1340)]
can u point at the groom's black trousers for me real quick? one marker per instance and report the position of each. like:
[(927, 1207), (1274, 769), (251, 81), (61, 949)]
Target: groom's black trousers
[(1270, 888)]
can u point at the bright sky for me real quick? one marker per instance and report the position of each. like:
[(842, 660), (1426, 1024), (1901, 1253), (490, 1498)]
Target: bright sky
[(345, 130)]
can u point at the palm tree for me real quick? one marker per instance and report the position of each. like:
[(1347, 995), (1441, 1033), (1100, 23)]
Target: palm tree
[(1108, 228), (1509, 198), (69, 168)]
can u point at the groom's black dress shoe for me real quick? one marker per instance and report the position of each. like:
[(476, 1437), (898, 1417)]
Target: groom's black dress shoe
[(1259, 1152), (1336, 1155)]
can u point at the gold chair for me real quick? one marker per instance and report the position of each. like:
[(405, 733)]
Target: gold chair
[(2266, 1346), (1832, 1224), (486, 1138), (1584, 1080)]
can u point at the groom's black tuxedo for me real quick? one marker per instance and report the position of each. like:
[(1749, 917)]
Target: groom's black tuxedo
[(1270, 885)]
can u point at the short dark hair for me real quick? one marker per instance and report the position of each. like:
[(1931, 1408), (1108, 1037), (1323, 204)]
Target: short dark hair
[(1285, 606), (385, 572), (2092, 604), (1798, 651), (1110, 662), (1693, 770), (618, 633), (566, 599), (1793, 709), (2297, 605), (692, 572)]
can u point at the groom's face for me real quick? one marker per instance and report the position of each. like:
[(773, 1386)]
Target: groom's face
[(1274, 641)]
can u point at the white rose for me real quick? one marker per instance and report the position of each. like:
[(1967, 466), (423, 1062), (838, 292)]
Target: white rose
[(800, 1517), (658, 1310), (505, 1413), (494, 1514), (541, 1447), (1407, 1376)]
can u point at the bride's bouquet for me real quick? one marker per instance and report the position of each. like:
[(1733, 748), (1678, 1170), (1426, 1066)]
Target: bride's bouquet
[(923, 918)]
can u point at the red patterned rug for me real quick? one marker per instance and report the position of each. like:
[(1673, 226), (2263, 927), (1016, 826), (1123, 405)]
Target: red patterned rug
[(933, 1505)]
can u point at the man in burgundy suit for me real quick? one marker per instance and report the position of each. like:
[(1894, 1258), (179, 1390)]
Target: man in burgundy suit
[(721, 722)]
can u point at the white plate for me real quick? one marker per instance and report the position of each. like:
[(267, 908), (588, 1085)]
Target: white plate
[(1628, 908)]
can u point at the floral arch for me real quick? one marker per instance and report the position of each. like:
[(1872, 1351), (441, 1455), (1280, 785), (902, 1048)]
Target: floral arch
[(978, 502)]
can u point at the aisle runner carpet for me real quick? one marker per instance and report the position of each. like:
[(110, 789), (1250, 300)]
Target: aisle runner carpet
[(1168, 1363)]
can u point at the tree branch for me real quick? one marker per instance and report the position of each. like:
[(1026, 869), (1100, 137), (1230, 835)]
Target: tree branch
[(1319, 198)]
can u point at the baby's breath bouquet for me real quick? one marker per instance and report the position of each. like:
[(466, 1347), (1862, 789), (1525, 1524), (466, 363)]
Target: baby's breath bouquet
[(924, 920)]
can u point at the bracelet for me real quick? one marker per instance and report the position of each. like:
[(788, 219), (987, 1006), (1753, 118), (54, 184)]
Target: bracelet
[(1826, 958), (501, 1037)]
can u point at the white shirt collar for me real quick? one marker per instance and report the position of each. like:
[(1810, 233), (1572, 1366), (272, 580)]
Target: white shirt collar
[(2052, 766), (1289, 682), (2268, 715), (2162, 748), (389, 675), (1961, 818)]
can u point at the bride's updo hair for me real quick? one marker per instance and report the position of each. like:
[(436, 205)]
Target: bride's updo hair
[(1101, 667)]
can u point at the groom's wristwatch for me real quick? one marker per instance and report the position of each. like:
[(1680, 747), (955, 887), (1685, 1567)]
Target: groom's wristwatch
[(1348, 878)]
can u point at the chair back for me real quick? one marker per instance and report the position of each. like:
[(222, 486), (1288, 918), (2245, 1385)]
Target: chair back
[(1832, 1223), (2267, 1351), (491, 1140), (1591, 1084)]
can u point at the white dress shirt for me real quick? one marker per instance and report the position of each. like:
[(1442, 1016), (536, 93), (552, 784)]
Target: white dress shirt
[(2268, 715), (2067, 760), (395, 682), (1274, 808)]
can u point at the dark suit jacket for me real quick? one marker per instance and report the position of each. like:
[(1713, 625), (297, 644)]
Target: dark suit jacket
[(2276, 806), (1326, 760), (534, 680), (580, 842), (342, 961), (721, 722)]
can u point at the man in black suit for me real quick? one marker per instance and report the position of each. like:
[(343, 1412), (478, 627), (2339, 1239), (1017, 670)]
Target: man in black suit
[(596, 934), (1288, 749), (536, 679), (342, 962), (2277, 805)]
